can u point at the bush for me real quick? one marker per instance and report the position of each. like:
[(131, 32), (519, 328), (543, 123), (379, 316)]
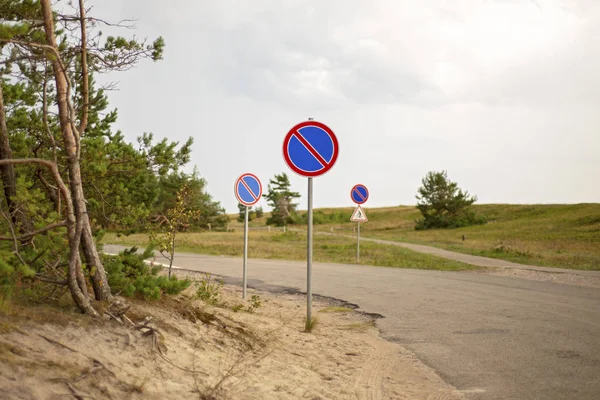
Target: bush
[(467, 218), (255, 303), (444, 205), (259, 212), (209, 291), (129, 275), (11, 273)]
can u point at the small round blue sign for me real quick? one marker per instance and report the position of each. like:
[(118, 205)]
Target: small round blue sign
[(248, 189), (359, 194), (310, 148)]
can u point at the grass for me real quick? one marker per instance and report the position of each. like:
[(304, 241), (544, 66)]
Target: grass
[(335, 310), (292, 246), (310, 324), (557, 235), (359, 327)]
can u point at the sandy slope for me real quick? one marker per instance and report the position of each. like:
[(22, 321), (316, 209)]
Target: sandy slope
[(231, 355)]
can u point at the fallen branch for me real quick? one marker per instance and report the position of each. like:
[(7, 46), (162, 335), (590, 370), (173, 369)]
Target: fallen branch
[(57, 343), (181, 368), (126, 318), (75, 393), (97, 363), (114, 317)]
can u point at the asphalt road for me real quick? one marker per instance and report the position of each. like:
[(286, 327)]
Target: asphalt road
[(492, 337)]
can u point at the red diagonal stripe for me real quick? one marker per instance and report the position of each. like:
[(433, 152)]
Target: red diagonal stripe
[(311, 149), (359, 194), (248, 188)]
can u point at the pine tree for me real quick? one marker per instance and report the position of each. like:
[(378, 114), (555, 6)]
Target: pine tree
[(281, 199), (443, 204)]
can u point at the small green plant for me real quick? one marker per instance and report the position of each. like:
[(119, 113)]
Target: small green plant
[(309, 324), (209, 291), (237, 307), (175, 219), (255, 303)]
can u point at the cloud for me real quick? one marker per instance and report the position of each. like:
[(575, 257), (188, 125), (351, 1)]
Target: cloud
[(503, 94), (390, 52)]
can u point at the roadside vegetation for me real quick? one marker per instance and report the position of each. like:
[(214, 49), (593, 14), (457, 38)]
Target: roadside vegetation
[(291, 245), (554, 235), (67, 174)]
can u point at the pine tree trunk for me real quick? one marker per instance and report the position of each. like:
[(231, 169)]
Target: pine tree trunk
[(97, 271), (71, 144), (7, 172), (90, 251)]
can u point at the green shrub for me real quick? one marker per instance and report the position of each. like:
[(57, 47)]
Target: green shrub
[(259, 212), (444, 205), (7, 282), (255, 303), (11, 272), (129, 275), (209, 291)]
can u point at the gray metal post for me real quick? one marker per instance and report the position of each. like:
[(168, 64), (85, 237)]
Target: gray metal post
[(357, 242), (309, 252), (244, 279)]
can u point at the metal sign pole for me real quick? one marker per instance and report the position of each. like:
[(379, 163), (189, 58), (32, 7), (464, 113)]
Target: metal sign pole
[(245, 252), (309, 253), (310, 149), (357, 242)]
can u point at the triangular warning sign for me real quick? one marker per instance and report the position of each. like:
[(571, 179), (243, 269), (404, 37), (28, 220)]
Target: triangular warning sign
[(359, 215)]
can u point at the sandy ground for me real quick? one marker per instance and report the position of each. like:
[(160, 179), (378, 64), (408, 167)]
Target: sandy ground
[(208, 352)]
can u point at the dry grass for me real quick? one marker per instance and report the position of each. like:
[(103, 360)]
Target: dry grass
[(335, 310), (359, 327)]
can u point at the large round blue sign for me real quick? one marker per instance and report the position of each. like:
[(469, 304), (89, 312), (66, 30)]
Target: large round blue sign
[(310, 148), (248, 189)]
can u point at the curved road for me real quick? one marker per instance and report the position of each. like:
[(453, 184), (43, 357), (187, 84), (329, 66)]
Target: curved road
[(492, 337)]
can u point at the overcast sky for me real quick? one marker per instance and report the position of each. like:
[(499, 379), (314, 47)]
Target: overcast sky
[(505, 95)]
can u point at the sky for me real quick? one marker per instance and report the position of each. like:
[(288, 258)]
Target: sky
[(504, 95)]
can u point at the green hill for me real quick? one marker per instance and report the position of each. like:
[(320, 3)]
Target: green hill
[(559, 235)]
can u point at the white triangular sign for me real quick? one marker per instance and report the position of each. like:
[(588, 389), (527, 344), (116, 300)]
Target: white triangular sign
[(359, 215)]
